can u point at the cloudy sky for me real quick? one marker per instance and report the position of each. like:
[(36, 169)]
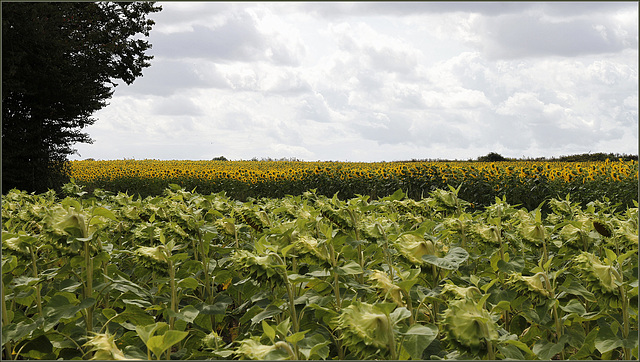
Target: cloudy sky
[(379, 81)]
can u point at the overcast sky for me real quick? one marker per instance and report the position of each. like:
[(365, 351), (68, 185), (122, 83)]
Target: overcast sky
[(378, 81)]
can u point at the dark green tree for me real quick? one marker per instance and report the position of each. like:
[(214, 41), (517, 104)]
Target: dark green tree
[(60, 64), (492, 157)]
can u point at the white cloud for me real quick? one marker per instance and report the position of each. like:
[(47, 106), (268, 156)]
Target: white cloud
[(379, 81)]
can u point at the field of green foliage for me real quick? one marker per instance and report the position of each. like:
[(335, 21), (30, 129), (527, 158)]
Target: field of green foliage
[(184, 275)]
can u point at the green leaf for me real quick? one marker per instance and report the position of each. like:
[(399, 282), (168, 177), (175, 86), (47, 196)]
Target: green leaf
[(522, 346), (576, 288), (270, 311), (386, 308), (179, 257), (188, 283), (283, 327), (610, 255), (503, 305), (398, 195), (545, 349), (606, 340), (101, 211), (145, 332), (574, 306), (155, 344), (286, 249), (217, 308), (495, 259), (297, 278), (109, 313), (588, 346), (37, 348), (124, 285), (351, 268), (59, 307), (625, 256), (171, 337), (399, 314), (136, 315), (15, 332), (269, 331), (296, 337), (516, 265), (9, 262), (510, 352), (406, 285), (187, 314), (451, 261), (418, 338)]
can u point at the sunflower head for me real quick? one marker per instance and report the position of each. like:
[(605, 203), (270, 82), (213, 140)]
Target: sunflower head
[(533, 286), (452, 291), (104, 347), (365, 329), (153, 258), (385, 285), (468, 326), (309, 247), (413, 247), (260, 268), (486, 234), (253, 349), (212, 340), (600, 278)]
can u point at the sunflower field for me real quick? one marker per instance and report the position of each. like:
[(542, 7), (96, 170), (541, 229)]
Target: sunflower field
[(522, 182), (189, 276)]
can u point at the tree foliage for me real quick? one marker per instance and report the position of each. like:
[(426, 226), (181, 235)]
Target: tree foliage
[(60, 64), (492, 157)]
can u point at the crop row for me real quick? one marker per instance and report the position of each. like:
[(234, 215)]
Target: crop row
[(191, 276), (523, 183)]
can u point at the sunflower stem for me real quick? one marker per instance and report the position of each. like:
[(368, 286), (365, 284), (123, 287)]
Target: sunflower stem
[(35, 275), (5, 322)]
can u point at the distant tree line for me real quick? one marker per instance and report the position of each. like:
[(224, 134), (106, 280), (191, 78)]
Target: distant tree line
[(583, 157)]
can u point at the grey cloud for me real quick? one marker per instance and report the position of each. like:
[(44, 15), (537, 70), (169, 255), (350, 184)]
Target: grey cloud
[(290, 84), (285, 133), (391, 60), (528, 35), (176, 106), (238, 39), (409, 99), (383, 128), (313, 107), (410, 8), (495, 8), (166, 77), (383, 58), (234, 121), (575, 8)]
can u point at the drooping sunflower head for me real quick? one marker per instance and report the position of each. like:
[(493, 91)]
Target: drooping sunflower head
[(309, 247), (253, 349), (573, 236), (452, 291), (486, 234), (260, 268), (153, 258), (600, 278), (212, 340), (533, 286), (469, 326), (386, 287), (413, 247), (365, 329), (104, 347)]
